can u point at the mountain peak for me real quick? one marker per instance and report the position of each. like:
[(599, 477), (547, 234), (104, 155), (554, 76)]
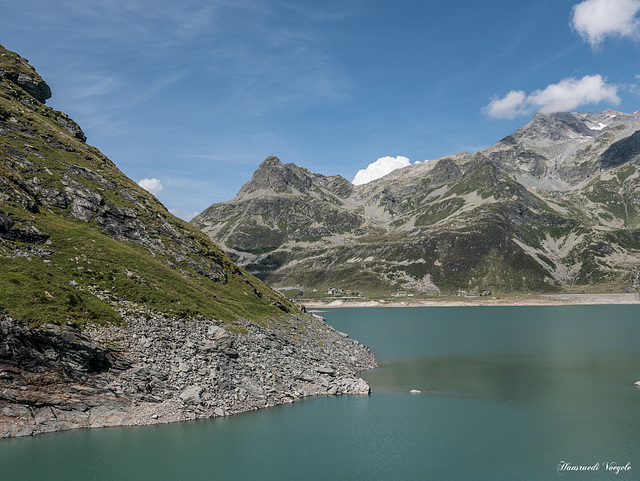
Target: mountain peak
[(272, 160), (272, 175), (563, 121), (548, 128)]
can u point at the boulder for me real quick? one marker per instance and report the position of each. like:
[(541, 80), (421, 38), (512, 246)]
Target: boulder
[(191, 395), (326, 370), (71, 127)]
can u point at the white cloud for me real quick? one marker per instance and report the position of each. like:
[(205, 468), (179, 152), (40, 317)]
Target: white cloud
[(568, 94), (571, 93), (596, 19), (510, 106), (380, 168), (151, 185)]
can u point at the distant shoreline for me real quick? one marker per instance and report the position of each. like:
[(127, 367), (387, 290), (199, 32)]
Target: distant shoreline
[(525, 300)]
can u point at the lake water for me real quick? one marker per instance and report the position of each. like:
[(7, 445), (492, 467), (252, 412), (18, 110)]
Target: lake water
[(507, 393)]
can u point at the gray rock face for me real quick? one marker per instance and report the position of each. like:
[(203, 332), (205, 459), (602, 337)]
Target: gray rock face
[(39, 89), (71, 127), (191, 395), (157, 369), (281, 178), (621, 152), (51, 346), (36, 88), (552, 128), (84, 192), (25, 232)]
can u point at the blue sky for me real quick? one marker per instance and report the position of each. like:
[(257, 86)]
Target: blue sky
[(194, 95)]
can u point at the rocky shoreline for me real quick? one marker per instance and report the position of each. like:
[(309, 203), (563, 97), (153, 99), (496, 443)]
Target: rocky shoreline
[(158, 369)]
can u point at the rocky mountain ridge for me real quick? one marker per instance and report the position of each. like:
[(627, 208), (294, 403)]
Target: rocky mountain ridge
[(553, 206), (113, 311)]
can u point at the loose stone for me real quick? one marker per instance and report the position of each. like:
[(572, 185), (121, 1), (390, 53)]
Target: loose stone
[(157, 368)]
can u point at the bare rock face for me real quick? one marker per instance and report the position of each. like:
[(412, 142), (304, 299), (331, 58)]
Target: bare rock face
[(552, 128), (71, 127), (18, 71), (278, 177), (621, 152), (37, 88), (24, 232)]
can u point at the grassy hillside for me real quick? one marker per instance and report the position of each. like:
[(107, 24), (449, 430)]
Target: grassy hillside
[(76, 234)]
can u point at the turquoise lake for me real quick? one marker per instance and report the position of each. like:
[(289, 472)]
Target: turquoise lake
[(507, 393)]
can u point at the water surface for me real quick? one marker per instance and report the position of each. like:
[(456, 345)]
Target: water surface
[(506, 393)]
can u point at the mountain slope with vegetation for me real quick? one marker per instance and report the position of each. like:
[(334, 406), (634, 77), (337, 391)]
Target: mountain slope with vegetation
[(113, 311), (72, 223), (555, 206)]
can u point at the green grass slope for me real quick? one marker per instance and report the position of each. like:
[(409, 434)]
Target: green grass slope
[(76, 234)]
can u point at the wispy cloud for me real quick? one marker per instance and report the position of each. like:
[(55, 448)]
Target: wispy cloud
[(250, 58), (567, 94), (127, 22), (94, 85), (595, 20), (270, 67)]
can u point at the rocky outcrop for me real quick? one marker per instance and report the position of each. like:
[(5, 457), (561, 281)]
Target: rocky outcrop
[(17, 70), (25, 232), (71, 127), (35, 87), (157, 369)]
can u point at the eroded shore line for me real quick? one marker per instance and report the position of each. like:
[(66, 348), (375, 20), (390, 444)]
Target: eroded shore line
[(525, 300), (156, 369)]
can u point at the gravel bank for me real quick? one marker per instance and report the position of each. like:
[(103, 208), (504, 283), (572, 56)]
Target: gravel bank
[(523, 300)]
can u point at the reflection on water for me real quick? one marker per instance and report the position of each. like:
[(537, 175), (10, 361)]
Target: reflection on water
[(507, 393)]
